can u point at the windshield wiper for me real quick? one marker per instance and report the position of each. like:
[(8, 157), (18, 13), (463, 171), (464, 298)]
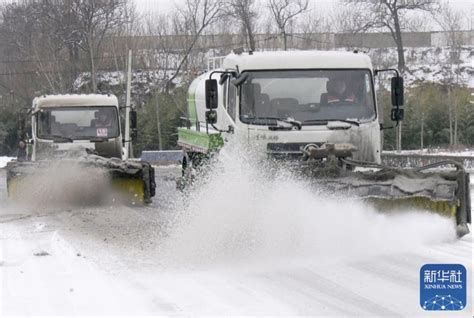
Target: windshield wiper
[(98, 139), (59, 138), (326, 121), (276, 123), (294, 124)]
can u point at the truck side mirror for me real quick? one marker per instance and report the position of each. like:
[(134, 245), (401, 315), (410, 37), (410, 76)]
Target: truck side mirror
[(397, 113), (211, 117), (397, 91), (211, 94)]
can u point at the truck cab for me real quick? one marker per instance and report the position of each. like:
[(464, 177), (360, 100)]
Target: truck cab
[(62, 123), (282, 102)]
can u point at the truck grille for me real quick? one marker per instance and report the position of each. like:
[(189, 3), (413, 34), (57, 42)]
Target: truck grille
[(287, 150)]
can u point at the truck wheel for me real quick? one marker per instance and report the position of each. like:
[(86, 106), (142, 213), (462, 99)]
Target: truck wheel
[(190, 168), (187, 172)]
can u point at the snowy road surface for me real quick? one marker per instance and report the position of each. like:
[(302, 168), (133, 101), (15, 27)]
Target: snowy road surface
[(211, 256)]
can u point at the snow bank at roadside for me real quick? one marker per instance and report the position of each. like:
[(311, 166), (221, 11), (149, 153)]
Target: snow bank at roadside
[(429, 64), (4, 161), (437, 152)]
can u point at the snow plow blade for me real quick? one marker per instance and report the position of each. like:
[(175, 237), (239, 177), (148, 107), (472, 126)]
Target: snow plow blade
[(91, 178), (442, 191)]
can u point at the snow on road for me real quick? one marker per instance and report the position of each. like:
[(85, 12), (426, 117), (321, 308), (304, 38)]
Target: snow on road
[(235, 247)]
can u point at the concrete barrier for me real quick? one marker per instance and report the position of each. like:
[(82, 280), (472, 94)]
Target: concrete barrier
[(162, 157)]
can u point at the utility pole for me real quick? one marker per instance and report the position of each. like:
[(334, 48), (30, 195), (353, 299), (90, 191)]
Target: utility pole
[(158, 123), (399, 137), (422, 130), (450, 113), (128, 105)]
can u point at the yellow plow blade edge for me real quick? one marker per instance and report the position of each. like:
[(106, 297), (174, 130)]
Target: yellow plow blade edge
[(127, 190), (131, 190), (445, 208), (91, 180), (14, 189), (445, 191)]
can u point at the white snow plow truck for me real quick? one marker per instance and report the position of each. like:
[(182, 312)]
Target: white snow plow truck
[(83, 131), (317, 111)]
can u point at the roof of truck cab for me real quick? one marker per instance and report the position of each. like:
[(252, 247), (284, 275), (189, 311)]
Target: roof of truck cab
[(74, 100), (275, 60)]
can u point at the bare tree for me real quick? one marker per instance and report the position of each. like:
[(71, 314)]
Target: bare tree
[(314, 31), (191, 20), (283, 11), (245, 12), (172, 53), (451, 21), (29, 40), (161, 53), (351, 19), (125, 37), (47, 43), (91, 21), (391, 14)]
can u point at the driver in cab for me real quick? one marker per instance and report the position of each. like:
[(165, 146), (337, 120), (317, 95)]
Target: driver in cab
[(337, 92), (104, 120)]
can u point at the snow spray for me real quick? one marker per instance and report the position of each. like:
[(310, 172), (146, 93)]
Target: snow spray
[(242, 209)]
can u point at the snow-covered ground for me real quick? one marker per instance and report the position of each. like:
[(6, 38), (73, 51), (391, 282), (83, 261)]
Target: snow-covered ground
[(237, 247), (436, 152), (4, 161), (430, 64)]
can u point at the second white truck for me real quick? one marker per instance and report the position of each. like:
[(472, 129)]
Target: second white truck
[(85, 130)]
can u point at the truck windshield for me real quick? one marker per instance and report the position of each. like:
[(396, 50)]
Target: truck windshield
[(308, 96), (78, 122)]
